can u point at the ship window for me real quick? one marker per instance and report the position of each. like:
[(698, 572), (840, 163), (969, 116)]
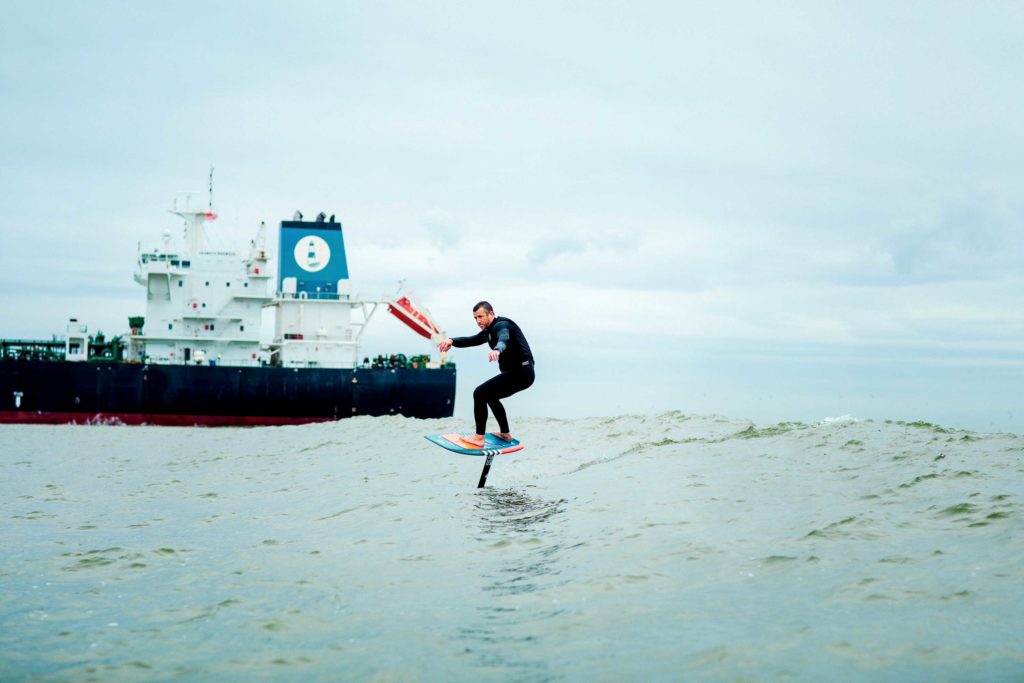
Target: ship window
[(204, 305), (186, 264), (241, 328), (207, 283), (227, 284), (170, 326), (175, 262), (181, 283), (246, 284), (211, 327)]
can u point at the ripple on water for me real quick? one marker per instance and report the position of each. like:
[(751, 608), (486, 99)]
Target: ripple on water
[(674, 547)]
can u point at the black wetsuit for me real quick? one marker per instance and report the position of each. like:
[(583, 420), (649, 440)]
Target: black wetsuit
[(515, 362)]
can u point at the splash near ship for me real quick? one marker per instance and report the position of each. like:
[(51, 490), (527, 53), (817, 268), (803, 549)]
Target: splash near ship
[(196, 356)]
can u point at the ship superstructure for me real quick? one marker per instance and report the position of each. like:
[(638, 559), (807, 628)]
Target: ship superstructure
[(202, 306), (317, 322)]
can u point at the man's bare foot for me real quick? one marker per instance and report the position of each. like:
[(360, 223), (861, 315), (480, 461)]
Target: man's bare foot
[(504, 436), (475, 439)]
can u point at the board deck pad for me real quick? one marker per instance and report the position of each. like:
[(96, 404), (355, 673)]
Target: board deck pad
[(493, 444)]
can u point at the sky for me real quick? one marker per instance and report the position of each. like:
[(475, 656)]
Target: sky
[(774, 211)]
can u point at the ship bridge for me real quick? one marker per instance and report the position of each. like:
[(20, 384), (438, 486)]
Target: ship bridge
[(202, 305)]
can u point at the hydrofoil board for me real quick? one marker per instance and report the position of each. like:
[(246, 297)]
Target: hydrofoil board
[(493, 444)]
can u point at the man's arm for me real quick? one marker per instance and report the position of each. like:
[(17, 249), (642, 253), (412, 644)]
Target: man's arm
[(501, 334), (463, 342)]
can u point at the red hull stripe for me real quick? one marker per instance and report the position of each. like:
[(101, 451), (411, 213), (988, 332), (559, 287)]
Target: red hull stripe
[(34, 417)]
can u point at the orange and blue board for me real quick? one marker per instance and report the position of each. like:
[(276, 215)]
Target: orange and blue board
[(493, 444)]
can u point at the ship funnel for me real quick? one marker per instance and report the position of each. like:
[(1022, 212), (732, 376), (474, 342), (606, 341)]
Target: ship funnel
[(312, 254)]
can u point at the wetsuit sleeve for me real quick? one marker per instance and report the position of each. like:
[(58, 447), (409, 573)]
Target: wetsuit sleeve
[(475, 340), (501, 333)]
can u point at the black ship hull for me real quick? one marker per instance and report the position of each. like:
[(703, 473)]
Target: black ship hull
[(56, 392)]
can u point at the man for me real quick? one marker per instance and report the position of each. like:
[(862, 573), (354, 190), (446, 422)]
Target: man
[(509, 348)]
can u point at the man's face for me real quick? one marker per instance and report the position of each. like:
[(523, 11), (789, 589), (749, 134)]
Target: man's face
[(483, 318)]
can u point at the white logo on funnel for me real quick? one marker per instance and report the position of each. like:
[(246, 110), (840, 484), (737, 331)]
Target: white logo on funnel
[(312, 253)]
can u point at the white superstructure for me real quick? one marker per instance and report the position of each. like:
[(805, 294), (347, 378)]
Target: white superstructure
[(202, 306), (205, 307)]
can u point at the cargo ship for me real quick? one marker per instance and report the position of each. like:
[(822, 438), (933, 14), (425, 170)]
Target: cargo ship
[(196, 357)]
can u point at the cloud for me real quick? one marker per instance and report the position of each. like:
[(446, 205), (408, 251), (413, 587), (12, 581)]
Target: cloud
[(970, 239), (442, 231), (561, 249)]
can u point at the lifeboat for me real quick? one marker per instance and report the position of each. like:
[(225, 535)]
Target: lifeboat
[(418, 321)]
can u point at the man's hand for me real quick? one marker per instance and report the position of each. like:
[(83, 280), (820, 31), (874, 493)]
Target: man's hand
[(445, 345), (493, 356)]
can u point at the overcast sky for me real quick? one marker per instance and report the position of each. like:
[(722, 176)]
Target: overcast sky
[(780, 211)]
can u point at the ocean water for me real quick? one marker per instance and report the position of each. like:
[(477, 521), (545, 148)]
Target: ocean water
[(662, 547)]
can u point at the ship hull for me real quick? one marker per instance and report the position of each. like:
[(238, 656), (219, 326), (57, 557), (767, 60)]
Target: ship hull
[(58, 392)]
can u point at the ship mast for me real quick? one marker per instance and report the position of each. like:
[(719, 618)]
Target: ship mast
[(195, 220)]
